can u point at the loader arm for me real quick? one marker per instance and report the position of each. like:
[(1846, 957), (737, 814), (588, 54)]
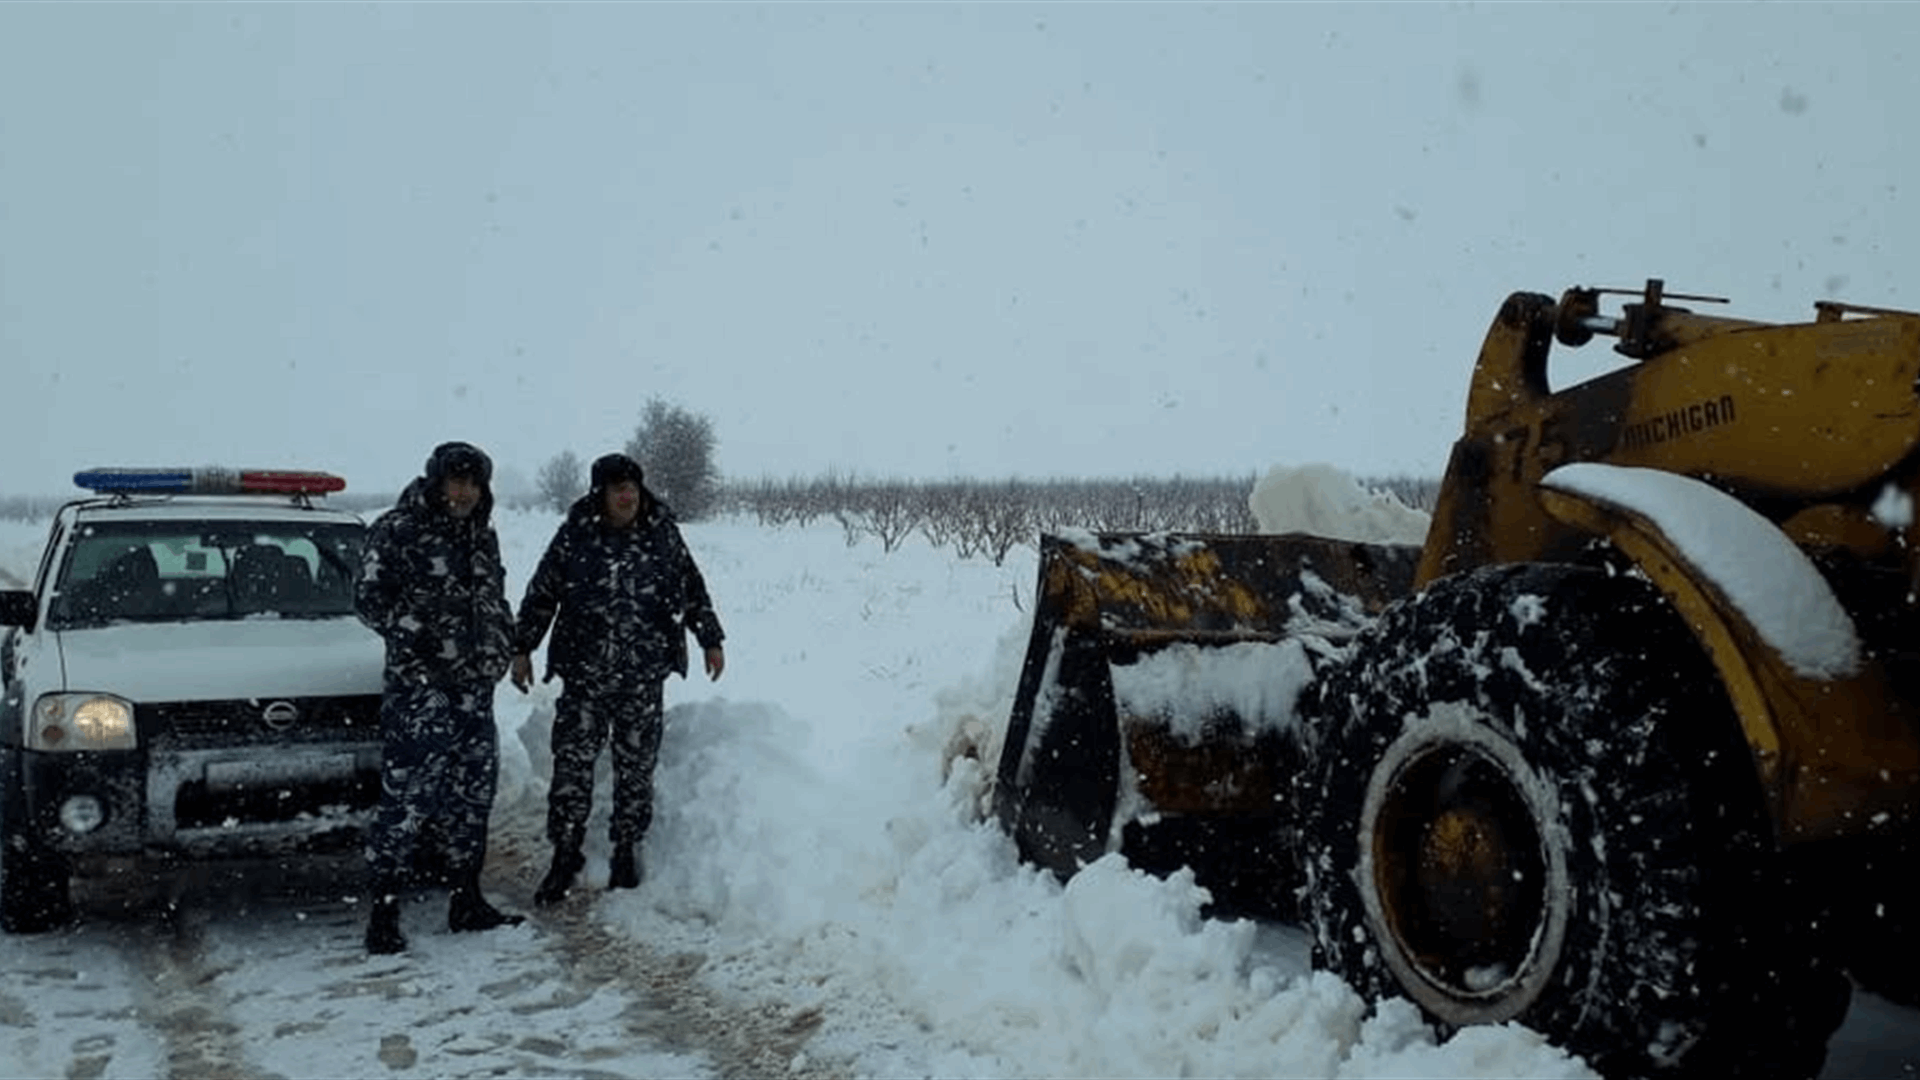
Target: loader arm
[(1782, 415)]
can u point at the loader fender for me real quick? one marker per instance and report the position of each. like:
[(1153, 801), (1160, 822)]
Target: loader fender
[(1811, 705)]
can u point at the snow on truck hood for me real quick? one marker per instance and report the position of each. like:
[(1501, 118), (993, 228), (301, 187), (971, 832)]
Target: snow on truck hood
[(214, 661)]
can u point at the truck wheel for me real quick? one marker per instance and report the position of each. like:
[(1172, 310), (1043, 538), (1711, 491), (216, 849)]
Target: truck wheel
[(35, 882), (1527, 799)]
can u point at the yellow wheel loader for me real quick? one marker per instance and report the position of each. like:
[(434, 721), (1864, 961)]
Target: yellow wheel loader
[(1626, 751)]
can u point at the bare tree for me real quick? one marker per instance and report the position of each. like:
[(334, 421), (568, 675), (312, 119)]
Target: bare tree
[(561, 481), (676, 447), (946, 521), (890, 510), (1005, 518)]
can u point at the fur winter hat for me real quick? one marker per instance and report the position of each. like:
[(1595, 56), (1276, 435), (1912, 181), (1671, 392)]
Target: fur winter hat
[(611, 469), (459, 459)]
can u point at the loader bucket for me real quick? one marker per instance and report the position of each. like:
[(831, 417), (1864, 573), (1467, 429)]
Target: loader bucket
[(1183, 764)]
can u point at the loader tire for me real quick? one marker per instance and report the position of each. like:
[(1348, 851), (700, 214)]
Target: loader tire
[(1526, 799)]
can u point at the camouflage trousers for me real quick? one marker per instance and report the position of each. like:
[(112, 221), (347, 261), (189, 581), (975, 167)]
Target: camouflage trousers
[(582, 723), (439, 766)]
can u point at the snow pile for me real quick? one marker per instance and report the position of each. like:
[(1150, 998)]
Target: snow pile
[(21, 554), (1327, 501), (1187, 686)]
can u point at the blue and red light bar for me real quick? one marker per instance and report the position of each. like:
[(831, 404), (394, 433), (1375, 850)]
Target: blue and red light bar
[(208, 481)]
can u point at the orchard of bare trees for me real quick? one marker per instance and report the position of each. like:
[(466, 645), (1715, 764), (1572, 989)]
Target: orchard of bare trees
[(988, 519)]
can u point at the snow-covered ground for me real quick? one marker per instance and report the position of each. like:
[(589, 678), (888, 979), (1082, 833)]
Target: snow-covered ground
[(822, 898)]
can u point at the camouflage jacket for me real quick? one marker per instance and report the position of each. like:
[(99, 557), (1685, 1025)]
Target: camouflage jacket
[(433, 587), (621, 601)]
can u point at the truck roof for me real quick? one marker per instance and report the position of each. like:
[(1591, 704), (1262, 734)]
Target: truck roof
[(205, 507)]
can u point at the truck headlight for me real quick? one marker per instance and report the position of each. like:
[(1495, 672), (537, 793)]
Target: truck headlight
[(82, 722)]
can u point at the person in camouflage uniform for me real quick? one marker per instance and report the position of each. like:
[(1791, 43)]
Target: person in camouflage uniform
[(621, 591), (431, 584)]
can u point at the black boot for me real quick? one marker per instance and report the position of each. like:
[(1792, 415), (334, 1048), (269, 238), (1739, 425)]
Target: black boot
[(468, 910), (553, 888), (625, 871), (383, 927)]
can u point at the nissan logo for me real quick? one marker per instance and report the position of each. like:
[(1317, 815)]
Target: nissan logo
[(280, 715)]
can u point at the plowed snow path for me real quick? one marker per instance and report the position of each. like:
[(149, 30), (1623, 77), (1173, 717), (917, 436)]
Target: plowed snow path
[(254, 973)]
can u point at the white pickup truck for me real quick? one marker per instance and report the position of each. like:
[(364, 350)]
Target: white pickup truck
[(185, 678)]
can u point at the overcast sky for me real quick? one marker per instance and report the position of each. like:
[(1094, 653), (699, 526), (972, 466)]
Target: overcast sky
[(903, 239)]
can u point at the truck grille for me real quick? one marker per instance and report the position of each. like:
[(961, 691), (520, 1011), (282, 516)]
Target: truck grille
[(200, 724)]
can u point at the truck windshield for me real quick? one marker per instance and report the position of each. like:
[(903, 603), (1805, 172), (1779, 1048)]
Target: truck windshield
[(175, 571)]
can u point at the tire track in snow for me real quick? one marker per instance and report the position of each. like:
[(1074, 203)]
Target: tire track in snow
[(672, 1007), (181, 1002)]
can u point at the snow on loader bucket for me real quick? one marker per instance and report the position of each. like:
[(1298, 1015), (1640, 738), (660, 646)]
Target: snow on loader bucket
[(1155, 705)]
